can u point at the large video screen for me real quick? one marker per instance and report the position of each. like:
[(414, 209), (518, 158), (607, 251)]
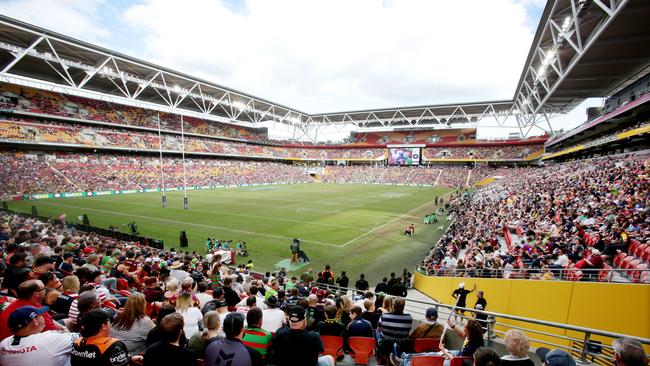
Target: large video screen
[(404, 156)]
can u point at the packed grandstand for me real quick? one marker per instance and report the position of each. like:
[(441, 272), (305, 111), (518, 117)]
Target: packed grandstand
[(568, 209)]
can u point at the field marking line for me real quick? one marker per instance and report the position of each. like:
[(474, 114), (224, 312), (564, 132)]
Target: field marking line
[(253, 216), (188, 223), (393, 220), (288, 207)]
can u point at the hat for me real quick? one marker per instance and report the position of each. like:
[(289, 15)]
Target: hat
[(432, 313), (24, 315), (321, 293), (556, 357), (176, 265), (296, 313), (271, 301)]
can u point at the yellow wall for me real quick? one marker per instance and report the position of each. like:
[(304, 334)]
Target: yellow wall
[(619, 308)]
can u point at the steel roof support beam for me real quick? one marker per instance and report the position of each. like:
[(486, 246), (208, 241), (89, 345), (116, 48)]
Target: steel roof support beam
[(535, 89)]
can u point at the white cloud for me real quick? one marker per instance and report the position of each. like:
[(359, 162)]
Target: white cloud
[(75, 18), (318, 55), (339, 55)]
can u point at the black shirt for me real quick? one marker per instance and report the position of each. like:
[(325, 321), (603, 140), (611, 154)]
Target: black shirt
[(461, 295), (164, 353), (343, 281), (382, 287), (362, 284), (293, 347)]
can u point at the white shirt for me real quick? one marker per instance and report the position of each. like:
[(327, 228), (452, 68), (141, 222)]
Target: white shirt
[(43, 349), (191, 318), (203, 298), (273, 319), (562, 260), (178, 274)]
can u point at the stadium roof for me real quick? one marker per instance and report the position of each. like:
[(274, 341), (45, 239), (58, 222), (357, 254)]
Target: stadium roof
[(582, 49)]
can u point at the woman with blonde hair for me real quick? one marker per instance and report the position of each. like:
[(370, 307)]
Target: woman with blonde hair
[(517, 344), (210, 333), (191, 315), (132, 325), (343, 312), (171, 288), (387, 305), (70, 286)]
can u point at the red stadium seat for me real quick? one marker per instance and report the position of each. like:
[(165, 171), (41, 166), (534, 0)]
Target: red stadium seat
[(632, 248), (619, 259), (426, 345), (460, 361), (637, 275), (625, 264), (333, 345), (640, 250), (646, 255), (574, 275), (363, 349), (427, 361), (632, 265)]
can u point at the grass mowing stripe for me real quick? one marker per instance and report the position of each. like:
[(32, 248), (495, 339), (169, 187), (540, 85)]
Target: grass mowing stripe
[(391, 221), (188, 223), (251, 216), (290, 206)]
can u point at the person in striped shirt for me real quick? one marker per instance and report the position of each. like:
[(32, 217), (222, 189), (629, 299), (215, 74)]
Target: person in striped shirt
[(394, 327), (254, 336)]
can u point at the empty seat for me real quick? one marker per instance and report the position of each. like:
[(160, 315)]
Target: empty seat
[(619, 258), (333, 345), (426, 345), (427, 361), (640, 250), (363, 348)]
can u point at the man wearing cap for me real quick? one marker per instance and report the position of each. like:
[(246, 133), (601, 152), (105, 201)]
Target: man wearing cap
[(30, 293), (95, 347), (295, 346), (556, 357), (429, 328), (231, 351), (30, 345), (273, 318)]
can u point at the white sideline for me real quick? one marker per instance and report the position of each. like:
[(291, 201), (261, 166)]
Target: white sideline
[(393, 220), (188, 223)]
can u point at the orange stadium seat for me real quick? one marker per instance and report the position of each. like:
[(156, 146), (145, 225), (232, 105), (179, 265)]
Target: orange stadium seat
[(426, 345), (363, 349), (428, 361), (333, 345)]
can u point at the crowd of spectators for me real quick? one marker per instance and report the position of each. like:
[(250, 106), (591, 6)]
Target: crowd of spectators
[(439, 175), (578, 215), (507, 152), (76, 172), (75, 298), (30, 131), (23, 99)]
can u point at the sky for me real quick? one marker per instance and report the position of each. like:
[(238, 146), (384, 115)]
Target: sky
[(319, 55)]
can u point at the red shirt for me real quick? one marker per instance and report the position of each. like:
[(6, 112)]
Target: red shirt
[(4, 318)]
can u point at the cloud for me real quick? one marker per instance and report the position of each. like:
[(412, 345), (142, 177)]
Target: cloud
[(327, 55), (76, 18)]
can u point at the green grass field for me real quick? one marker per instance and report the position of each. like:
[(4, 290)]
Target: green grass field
[(357, 228)]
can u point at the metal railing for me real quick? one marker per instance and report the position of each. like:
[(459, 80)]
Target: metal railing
[(542, 332), (613, 275)]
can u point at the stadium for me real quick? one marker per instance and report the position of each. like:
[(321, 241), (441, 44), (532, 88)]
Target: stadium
[(152, 217)]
